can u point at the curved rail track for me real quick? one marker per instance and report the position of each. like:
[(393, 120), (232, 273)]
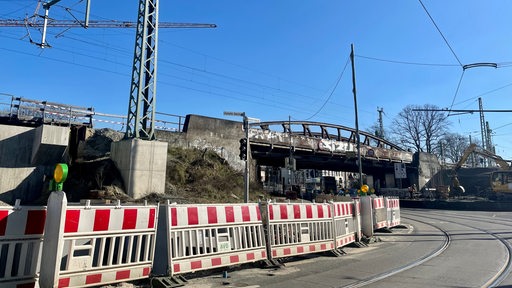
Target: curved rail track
[(446, 243), (506, 268), (493, 281)]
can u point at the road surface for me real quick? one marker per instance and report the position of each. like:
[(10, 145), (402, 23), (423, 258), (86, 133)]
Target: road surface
[(436, 248)]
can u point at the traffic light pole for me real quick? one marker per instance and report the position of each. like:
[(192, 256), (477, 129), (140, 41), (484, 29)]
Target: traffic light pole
[(245, 145), (246, 171)]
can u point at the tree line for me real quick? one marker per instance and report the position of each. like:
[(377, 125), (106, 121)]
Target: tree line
[(425, 128)]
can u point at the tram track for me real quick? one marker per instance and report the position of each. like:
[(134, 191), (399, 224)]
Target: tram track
[(506, 269), (446, 243)]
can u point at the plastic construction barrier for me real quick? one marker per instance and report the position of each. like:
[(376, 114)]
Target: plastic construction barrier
[(345, 224), (201, 237), (357, 219), (393, 211), (21, 238), (373, 214), (380, 219), (298, 228), (96, 245)]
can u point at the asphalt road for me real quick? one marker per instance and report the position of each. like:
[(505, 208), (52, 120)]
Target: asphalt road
[(436, 248)]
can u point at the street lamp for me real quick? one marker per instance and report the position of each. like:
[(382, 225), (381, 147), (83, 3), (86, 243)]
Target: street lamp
[(247, 148)]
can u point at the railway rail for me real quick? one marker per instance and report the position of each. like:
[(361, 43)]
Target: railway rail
[(412, 264), (506, 267)]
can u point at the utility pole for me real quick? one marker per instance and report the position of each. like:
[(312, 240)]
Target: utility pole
[(473, 160), (291, 161), (488, 131), (381, 123), (483, 131), (358, 138)]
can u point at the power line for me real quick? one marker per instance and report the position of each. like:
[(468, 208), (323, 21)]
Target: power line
[(441, 33), (407, 62), (239, 65), (332, 91), (281, 105), (457, 90)]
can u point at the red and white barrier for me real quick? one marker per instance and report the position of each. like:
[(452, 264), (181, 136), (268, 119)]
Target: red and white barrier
[(96, 245), (298, 228), (201, 237), (345, 224), (21, 238), (373, 214), (393, 211), (380, 219)]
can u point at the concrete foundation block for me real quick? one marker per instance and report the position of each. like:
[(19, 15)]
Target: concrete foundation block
[(142, 164), (23, 183), (16, 146), (50, 143)]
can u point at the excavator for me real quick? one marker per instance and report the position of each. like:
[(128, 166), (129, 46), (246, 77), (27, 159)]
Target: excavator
[(500, 181)]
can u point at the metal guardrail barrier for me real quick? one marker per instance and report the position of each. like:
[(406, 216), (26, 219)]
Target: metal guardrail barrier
[(35, 111)]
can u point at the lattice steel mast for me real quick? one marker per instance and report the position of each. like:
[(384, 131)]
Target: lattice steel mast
[(141, 107)]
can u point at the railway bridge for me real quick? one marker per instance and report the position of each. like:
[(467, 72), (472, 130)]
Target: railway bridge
[(315, 145), (311, 145)]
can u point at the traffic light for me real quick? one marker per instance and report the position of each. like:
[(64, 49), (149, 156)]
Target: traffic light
[(243, 149)]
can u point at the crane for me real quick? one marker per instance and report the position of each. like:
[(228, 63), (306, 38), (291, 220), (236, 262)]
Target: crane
[(141, 107)]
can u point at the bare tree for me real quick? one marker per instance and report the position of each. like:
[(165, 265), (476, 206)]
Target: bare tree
[(451, 147), (407, 128), (419, 127), (435, 125)]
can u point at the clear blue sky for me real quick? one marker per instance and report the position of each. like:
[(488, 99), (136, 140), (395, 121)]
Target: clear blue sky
[(278, 59)]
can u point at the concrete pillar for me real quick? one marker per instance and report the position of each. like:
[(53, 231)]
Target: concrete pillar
[(367, 216), (142, 164)]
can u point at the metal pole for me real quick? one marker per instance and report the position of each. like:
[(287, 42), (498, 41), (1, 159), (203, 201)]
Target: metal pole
[(248, 147), (43, 37), (87, 12), (357, 121)]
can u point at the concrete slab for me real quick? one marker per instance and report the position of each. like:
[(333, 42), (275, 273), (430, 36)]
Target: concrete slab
[(142, 164), (50, 143)]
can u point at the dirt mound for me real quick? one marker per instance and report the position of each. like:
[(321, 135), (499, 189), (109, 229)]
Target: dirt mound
[(202, 176), (98, 145), (193, 175)]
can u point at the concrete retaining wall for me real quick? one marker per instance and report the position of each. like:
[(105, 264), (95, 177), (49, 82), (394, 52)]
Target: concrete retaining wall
[(219, 135), (26, 155)]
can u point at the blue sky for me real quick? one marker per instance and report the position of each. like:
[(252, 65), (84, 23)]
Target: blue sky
[(278, 59)]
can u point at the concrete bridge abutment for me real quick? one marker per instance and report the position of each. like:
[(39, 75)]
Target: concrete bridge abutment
[(142, 165)]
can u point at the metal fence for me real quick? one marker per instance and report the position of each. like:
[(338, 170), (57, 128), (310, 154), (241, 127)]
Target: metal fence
[(18, 109)]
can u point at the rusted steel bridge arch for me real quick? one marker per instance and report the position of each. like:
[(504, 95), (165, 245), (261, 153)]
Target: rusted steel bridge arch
[(343, 133), (319, 145)]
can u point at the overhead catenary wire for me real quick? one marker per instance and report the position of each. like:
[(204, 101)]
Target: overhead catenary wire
[(277, 90), (332, 91), (407, 62), (283, 106), (457, 90), (441, 33)]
